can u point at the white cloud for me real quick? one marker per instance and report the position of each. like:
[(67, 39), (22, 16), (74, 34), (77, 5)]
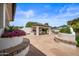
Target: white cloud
[(29, 13), (25, 14), (43, 16), (68, 12)]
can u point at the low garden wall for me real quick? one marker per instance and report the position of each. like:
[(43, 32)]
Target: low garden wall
[(27, 30), (10, 42), (67, 37), (24, 52)]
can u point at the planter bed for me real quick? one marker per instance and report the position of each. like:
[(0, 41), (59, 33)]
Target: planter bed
[(16, 49), (10, 42)]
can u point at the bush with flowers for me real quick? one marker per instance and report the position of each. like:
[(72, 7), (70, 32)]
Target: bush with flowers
[(11, 31)]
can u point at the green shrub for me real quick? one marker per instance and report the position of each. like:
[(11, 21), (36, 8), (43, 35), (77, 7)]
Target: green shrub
[(11, 28), (77, 40), (65, 30)]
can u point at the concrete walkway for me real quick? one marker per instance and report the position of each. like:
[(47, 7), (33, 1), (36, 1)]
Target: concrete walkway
[(47, 45)]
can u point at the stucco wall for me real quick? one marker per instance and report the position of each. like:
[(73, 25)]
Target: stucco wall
[(27, 30)]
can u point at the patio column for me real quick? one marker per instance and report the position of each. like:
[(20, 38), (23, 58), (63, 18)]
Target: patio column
[(37, 30), (49, 29), (2, 15)]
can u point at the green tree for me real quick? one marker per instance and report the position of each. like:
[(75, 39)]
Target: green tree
[(74, 24), (65, 29), (30, 24)]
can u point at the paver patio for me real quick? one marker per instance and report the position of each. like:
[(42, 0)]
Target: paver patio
[(47, 45)]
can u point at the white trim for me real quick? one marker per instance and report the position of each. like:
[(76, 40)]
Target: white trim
[(39, 1)]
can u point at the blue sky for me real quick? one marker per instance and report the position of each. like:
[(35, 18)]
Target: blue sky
[(55, 14)]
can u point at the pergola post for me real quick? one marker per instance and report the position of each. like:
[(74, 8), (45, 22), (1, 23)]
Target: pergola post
[(49, 29), (37, 30)]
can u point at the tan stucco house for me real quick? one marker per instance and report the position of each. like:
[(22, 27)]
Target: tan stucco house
[(7, 12), (17, 46)]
